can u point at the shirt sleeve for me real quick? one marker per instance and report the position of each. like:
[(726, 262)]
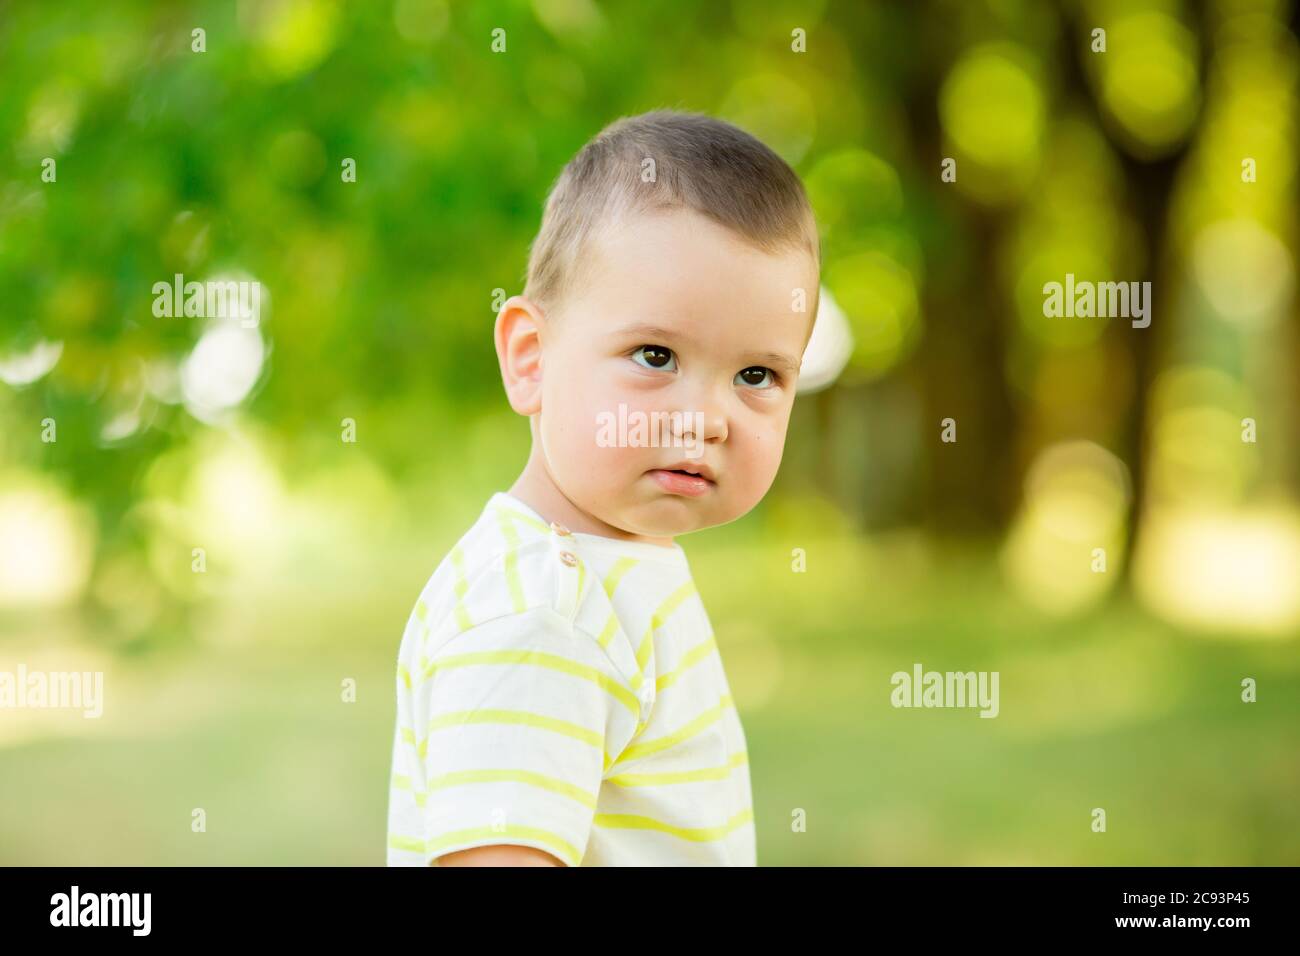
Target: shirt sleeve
[(517, 720)]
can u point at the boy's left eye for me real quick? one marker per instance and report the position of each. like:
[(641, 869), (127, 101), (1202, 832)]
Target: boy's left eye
[(655, 357), (756, 376)]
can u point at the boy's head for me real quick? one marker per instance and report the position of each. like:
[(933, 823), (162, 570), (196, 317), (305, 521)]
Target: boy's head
[(671, 292)]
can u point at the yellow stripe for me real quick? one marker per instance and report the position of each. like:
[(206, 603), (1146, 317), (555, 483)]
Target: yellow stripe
[(620, 568), (553, 784), (404, 783), (678, 736), (464, 777), (673, 601), (608, 631), (512, 562), (699, 652), (516, 584), (540, 659), (632, 821), (679, 776), (408, 737), (563, 849), (513, 515), (664, 611), (411, 844), (405, 675), (421, 609), (458, 564), (525, 717), (463, 620)]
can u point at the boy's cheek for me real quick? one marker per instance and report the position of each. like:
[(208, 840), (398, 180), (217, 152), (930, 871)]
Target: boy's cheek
[(761, 454), (604, 463), (574, 414), (758, 480)]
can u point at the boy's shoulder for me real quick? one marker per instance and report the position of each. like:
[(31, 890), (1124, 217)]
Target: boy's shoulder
[(497, 568), (511, 563), (512, 571)]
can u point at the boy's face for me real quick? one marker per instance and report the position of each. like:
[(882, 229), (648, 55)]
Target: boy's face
[(676, 315)]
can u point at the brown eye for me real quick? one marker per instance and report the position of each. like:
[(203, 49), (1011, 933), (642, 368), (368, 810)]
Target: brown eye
[(655, 356), (756, 376)]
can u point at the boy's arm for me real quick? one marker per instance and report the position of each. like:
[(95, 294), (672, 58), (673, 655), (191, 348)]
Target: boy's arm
[(546, 703), (497, 854)]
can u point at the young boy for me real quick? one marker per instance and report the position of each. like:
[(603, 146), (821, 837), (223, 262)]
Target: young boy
[(560, 698)]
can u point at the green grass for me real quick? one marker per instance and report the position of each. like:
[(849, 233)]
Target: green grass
[(1112, 710)]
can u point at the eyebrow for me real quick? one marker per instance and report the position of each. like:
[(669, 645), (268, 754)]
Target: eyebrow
[(655, 332), (776, 360)]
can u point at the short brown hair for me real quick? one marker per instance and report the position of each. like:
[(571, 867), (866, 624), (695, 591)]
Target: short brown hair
[(699, 162)]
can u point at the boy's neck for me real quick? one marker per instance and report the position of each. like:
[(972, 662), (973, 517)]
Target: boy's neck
[(536, 488)]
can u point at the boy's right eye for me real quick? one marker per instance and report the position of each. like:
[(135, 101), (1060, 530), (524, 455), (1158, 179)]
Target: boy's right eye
[(655, 357)]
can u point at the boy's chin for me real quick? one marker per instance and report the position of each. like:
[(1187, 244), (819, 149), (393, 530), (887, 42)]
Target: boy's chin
[(668, 516)]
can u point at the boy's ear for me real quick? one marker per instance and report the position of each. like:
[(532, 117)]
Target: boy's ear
[(519, 352)]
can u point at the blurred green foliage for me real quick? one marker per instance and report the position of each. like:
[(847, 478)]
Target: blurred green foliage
[(223, 688)]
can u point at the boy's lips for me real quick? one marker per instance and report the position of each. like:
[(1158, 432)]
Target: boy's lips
[(688, 478), (694, 467)]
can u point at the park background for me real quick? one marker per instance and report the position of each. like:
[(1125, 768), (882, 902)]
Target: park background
[(1120, 689)]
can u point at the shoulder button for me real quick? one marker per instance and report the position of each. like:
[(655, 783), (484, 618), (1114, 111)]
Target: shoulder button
[(569, 558), (560, 529)]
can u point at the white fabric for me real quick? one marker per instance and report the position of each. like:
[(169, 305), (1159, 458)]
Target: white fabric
[(568, 695)]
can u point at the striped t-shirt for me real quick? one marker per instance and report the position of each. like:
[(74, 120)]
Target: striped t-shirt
[(564, 691)]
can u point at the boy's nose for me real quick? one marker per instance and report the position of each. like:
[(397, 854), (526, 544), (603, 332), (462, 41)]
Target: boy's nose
[(706, 418), (715, 426)]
